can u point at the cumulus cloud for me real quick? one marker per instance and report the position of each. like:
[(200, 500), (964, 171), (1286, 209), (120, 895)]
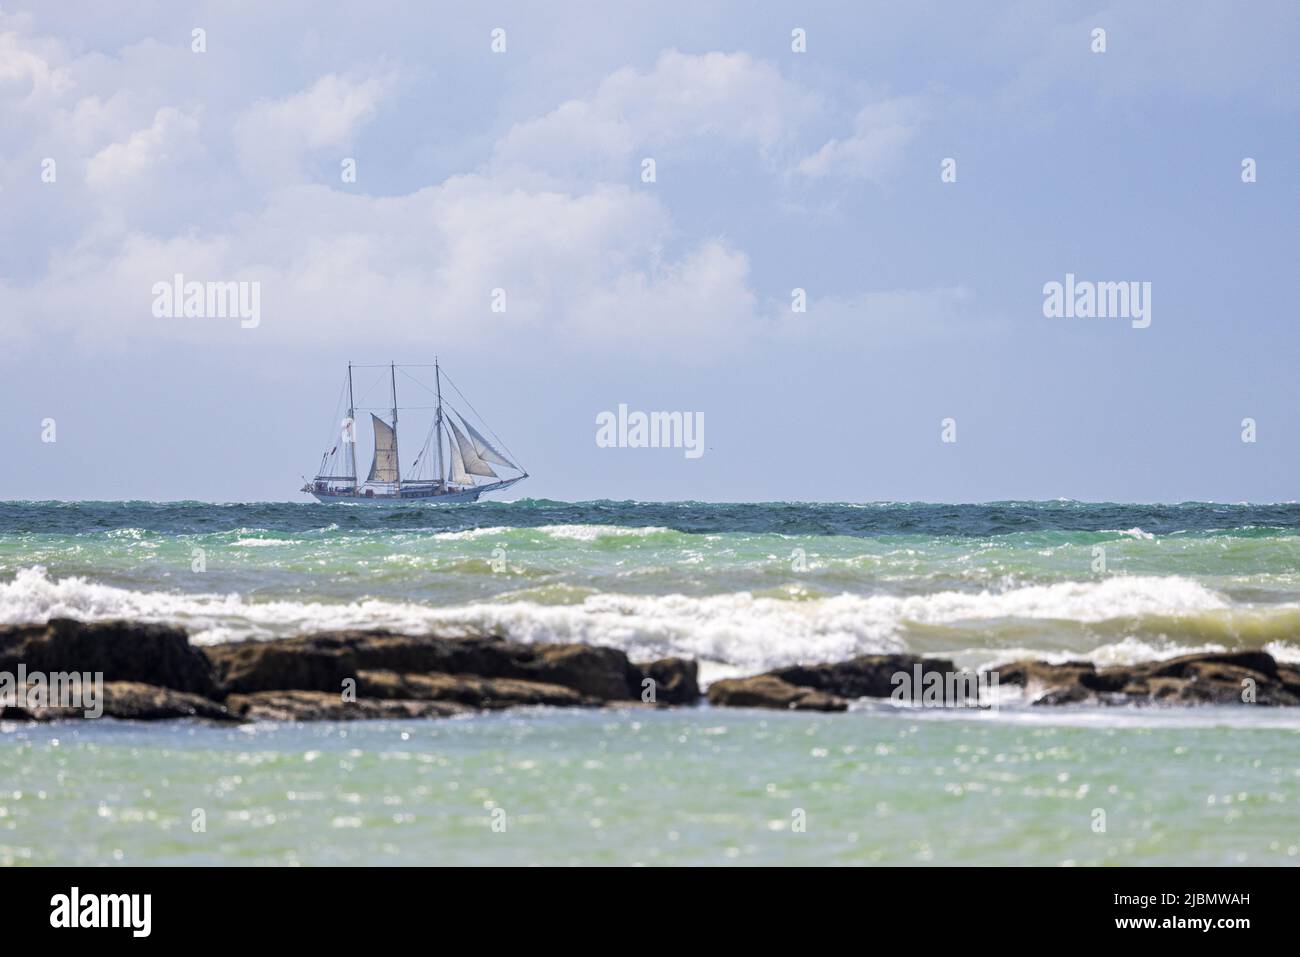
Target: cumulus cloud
[(28, 78), (872, 151), (729, 97), (552, 216), (273, 136), (171, 135), (586, 269)]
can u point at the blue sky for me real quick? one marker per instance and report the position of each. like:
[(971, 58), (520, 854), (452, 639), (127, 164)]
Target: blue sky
[(521, 170)]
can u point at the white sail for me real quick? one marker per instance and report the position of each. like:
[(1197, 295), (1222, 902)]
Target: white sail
[(468, 454), (484, 448), (458, 475), (384, 468)]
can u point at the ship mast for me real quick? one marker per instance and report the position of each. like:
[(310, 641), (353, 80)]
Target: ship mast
[(437, 381), (352, 428), (392, 372)]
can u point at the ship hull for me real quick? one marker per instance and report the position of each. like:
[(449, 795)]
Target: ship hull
[(450, 498), (414, 495)]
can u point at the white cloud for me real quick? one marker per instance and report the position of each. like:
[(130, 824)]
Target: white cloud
[(586, 260), (28, 80), (584, 269), (724, 96), (171, 135), (881, 134), (273, 136)]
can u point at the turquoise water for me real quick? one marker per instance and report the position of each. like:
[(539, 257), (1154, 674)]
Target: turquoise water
[(636, 787), (739, 587)]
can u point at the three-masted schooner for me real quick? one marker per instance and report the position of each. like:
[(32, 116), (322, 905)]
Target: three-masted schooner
[(433, 477)]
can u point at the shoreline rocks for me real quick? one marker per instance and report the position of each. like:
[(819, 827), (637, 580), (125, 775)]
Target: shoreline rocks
[(147, 653), (1244, 677), (152, 672), (824, 687)]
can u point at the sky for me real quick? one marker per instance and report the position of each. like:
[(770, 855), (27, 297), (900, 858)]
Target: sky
[(500, 155)]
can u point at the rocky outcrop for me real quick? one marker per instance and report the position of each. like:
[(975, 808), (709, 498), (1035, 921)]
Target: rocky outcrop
[(151, 654), (322, 662), (152, 672), (769, 691), (1246, 677), (828, 687)]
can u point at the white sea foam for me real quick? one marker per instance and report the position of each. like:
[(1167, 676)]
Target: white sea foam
[(590, 533), (737, 630), (570, 533)]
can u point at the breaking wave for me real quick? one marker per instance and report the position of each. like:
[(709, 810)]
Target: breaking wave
[(1115, 619)]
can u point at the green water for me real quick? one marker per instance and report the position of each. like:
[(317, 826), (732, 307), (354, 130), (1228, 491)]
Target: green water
[(640, 787), (740, 588)]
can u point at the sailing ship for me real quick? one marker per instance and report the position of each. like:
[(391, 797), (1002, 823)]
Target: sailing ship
[(434, 478)]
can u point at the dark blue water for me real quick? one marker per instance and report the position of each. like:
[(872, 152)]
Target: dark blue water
[(908, 518)]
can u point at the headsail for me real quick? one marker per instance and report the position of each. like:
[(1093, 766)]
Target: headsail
[(468, 454), (484, 448), (383, 469)]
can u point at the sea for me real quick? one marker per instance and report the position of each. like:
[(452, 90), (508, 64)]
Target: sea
[(739, 587)]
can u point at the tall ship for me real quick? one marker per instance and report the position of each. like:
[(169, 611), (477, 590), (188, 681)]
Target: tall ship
[(455, 456)]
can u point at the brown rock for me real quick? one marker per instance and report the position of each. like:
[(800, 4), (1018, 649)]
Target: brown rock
[(1182, 666), (469, 690), (769, 691), (321, 662), (600, 672), (330, 706), (867, 676), (1211, 678), (140, 702), (676, 680), (129, 700), (152, 654), (307, 664), (1029, 673)]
